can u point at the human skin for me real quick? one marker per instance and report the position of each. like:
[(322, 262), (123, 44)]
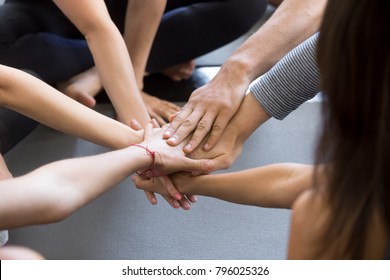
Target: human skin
[(212, 106), (56, 190), (110, 56), (276, 185)]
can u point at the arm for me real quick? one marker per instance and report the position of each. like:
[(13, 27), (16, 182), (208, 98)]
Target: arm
[(291, 82), (41, 102), (110, 55), (142, 21), (54, 191), (212, 106), (275, 185)]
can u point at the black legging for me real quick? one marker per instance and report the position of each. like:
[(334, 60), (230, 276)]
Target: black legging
[(36, 35)]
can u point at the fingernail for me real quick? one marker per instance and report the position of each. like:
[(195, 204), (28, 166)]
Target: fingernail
[(167, 133), (206, 146), (188, 148), (177, 196), (172, 140), (176, 204)]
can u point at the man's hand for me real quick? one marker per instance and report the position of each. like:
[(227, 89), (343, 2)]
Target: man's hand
[(208, 111)]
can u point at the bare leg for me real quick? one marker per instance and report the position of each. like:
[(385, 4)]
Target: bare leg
[(182, 71), (83, 87), (159, 109), (19, 253)]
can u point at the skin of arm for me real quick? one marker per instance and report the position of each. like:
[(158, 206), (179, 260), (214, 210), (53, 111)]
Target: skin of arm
[(142, 20), (54, 191), (110, 56), (275, 186), (30, 96), (211, 106)]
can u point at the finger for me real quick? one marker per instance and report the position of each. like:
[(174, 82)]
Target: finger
[(184, 203), (159, 119), (148, 130), (151, 197), (173, 116), (155, 123), (192, 198), (173, 202), (171, 189), (218, 163), (217, 130), (202, 129), (177, 121), (200, 165), (187, 126)]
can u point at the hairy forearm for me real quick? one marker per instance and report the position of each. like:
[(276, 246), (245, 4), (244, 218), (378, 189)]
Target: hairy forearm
[(29, 96), (292, 23), (275, 186)]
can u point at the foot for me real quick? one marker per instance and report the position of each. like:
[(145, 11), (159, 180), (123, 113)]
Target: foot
[(159, 109), (83, 87), (182, 71)]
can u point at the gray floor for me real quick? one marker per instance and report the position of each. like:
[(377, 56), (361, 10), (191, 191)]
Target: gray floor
[(122, 225)]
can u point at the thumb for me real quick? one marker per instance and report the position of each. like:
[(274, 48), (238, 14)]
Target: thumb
[(200, 165)]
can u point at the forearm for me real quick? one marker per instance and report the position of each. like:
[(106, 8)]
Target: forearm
[(115, 69), (46, 105), (54, 191), (110, 56), (142, 21), (292, 23), (275, 186), (241, 126)]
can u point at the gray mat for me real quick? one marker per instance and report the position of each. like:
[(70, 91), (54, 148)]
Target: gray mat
[(123, 225)]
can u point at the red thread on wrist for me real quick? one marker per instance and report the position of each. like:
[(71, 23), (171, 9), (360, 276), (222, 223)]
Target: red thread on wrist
[(150, 153)]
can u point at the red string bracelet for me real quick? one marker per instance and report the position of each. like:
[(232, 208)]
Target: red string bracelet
[(150, 153)]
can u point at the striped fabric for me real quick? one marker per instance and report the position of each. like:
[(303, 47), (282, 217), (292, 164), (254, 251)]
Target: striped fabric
[(292, 81)]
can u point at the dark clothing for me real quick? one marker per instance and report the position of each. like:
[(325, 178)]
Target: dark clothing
[(36, 35)]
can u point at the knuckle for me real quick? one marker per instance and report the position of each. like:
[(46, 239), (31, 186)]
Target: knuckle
[(217, 127), (187, 123), (202, 125)]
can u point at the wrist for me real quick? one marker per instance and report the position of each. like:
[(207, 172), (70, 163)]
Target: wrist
[(146, 159), (239, 66)]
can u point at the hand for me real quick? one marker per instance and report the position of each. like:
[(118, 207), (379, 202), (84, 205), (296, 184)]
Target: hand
[(209, 109), (181, 201), (223, 154), (169, 159), (159, 109), (152, 185)]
